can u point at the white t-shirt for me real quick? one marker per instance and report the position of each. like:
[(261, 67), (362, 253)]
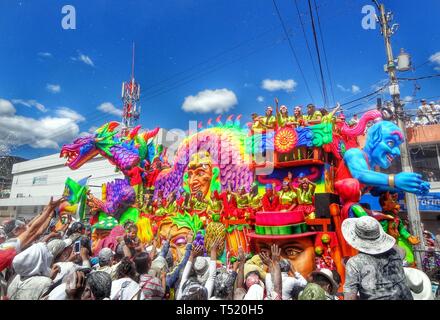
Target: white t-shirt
[(125, 289)]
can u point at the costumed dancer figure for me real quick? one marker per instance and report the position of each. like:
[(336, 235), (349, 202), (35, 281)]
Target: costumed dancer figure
[(287, 196), (270, 200), (160, 204), (215, 204), (198, 205), (305, 195), (229, 202), (243, 201), (349, 191), (395, 227)]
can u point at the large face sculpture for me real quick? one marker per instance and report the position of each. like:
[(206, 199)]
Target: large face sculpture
[(178, 227), (200, 173), (178, 238), (299, 251), (383, 143)]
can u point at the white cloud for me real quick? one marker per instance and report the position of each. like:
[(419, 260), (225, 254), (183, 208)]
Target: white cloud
[(45, 132), (68, 113), (354, 88), (92, 129), (288, 85), (408, 99), (6, 108), (108, 107), (435, 58), (53, 88), (45, 54), (84, 58), (218, 101), (30, 103), (260, 99)]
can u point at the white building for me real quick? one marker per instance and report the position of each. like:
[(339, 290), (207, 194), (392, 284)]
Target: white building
[(35, 181)]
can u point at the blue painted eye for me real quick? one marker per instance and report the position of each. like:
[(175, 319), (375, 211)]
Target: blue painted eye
[(390, 144)]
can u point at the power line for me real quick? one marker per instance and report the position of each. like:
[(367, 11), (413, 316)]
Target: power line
[(365, 96), (420, 78), (325, 53), (307, 44), (324, 89), (292, 50), (202, 74), (220, 54)]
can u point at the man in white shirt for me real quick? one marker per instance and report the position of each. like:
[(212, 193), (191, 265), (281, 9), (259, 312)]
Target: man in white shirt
[(289, 283), (435, 111), (420, 119), (426, 110)]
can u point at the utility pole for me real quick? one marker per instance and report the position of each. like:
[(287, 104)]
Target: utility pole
[(410, 198)]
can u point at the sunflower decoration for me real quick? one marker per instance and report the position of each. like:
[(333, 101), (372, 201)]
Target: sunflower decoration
[(285, 140)]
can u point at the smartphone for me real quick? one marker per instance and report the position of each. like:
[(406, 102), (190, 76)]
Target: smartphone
[(77, 246)]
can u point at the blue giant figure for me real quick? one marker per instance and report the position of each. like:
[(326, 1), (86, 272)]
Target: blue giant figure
[(381, 147)]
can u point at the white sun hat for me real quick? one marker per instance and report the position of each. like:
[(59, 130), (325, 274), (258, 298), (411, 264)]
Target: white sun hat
[(419, 283), (366, 235)]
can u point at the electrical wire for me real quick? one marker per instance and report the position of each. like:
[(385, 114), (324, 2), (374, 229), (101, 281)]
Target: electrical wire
[(307, 44), (324, 89), (292, 50), (325, 53)]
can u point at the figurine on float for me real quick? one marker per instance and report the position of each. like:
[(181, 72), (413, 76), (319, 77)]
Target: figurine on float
[(395, 227), (381, 147)]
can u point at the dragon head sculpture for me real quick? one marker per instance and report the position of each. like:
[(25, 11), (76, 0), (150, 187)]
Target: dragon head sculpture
[(85, 148)]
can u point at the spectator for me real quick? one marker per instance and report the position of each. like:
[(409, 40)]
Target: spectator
[(152, 287), (33, 268), (126, 286), (419, 284), (325, 278), (98, 286), (354, 120), (421, 119), (435, 111), (376, 272), (289, 284), (426, 110)]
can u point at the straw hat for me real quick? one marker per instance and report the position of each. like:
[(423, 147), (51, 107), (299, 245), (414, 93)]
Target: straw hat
[(419, 283), (366, 235), (328, 274)]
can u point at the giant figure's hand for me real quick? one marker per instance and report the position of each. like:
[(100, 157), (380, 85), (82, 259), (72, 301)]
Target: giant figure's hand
[(411, 182)]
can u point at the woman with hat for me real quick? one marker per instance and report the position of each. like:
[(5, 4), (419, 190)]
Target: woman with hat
[(376, 272)]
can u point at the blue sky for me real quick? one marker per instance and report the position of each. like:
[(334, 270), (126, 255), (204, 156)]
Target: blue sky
[(52, 80)]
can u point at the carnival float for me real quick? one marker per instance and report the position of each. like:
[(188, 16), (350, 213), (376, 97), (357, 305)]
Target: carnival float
[(278, 179)]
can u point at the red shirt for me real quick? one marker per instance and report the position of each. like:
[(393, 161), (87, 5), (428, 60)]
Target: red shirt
[(269, 205)]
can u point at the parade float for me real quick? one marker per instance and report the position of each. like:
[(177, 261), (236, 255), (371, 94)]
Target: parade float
[(251, 185)]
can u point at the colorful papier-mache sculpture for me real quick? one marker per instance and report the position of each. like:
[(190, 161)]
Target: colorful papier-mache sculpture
[(213, 190), (394, 226), (381, 148)]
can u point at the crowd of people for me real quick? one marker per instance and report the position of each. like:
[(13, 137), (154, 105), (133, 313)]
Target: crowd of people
[(426, 114), (38, 263)]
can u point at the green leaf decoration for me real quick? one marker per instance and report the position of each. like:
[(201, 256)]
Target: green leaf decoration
[(187, 221)]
